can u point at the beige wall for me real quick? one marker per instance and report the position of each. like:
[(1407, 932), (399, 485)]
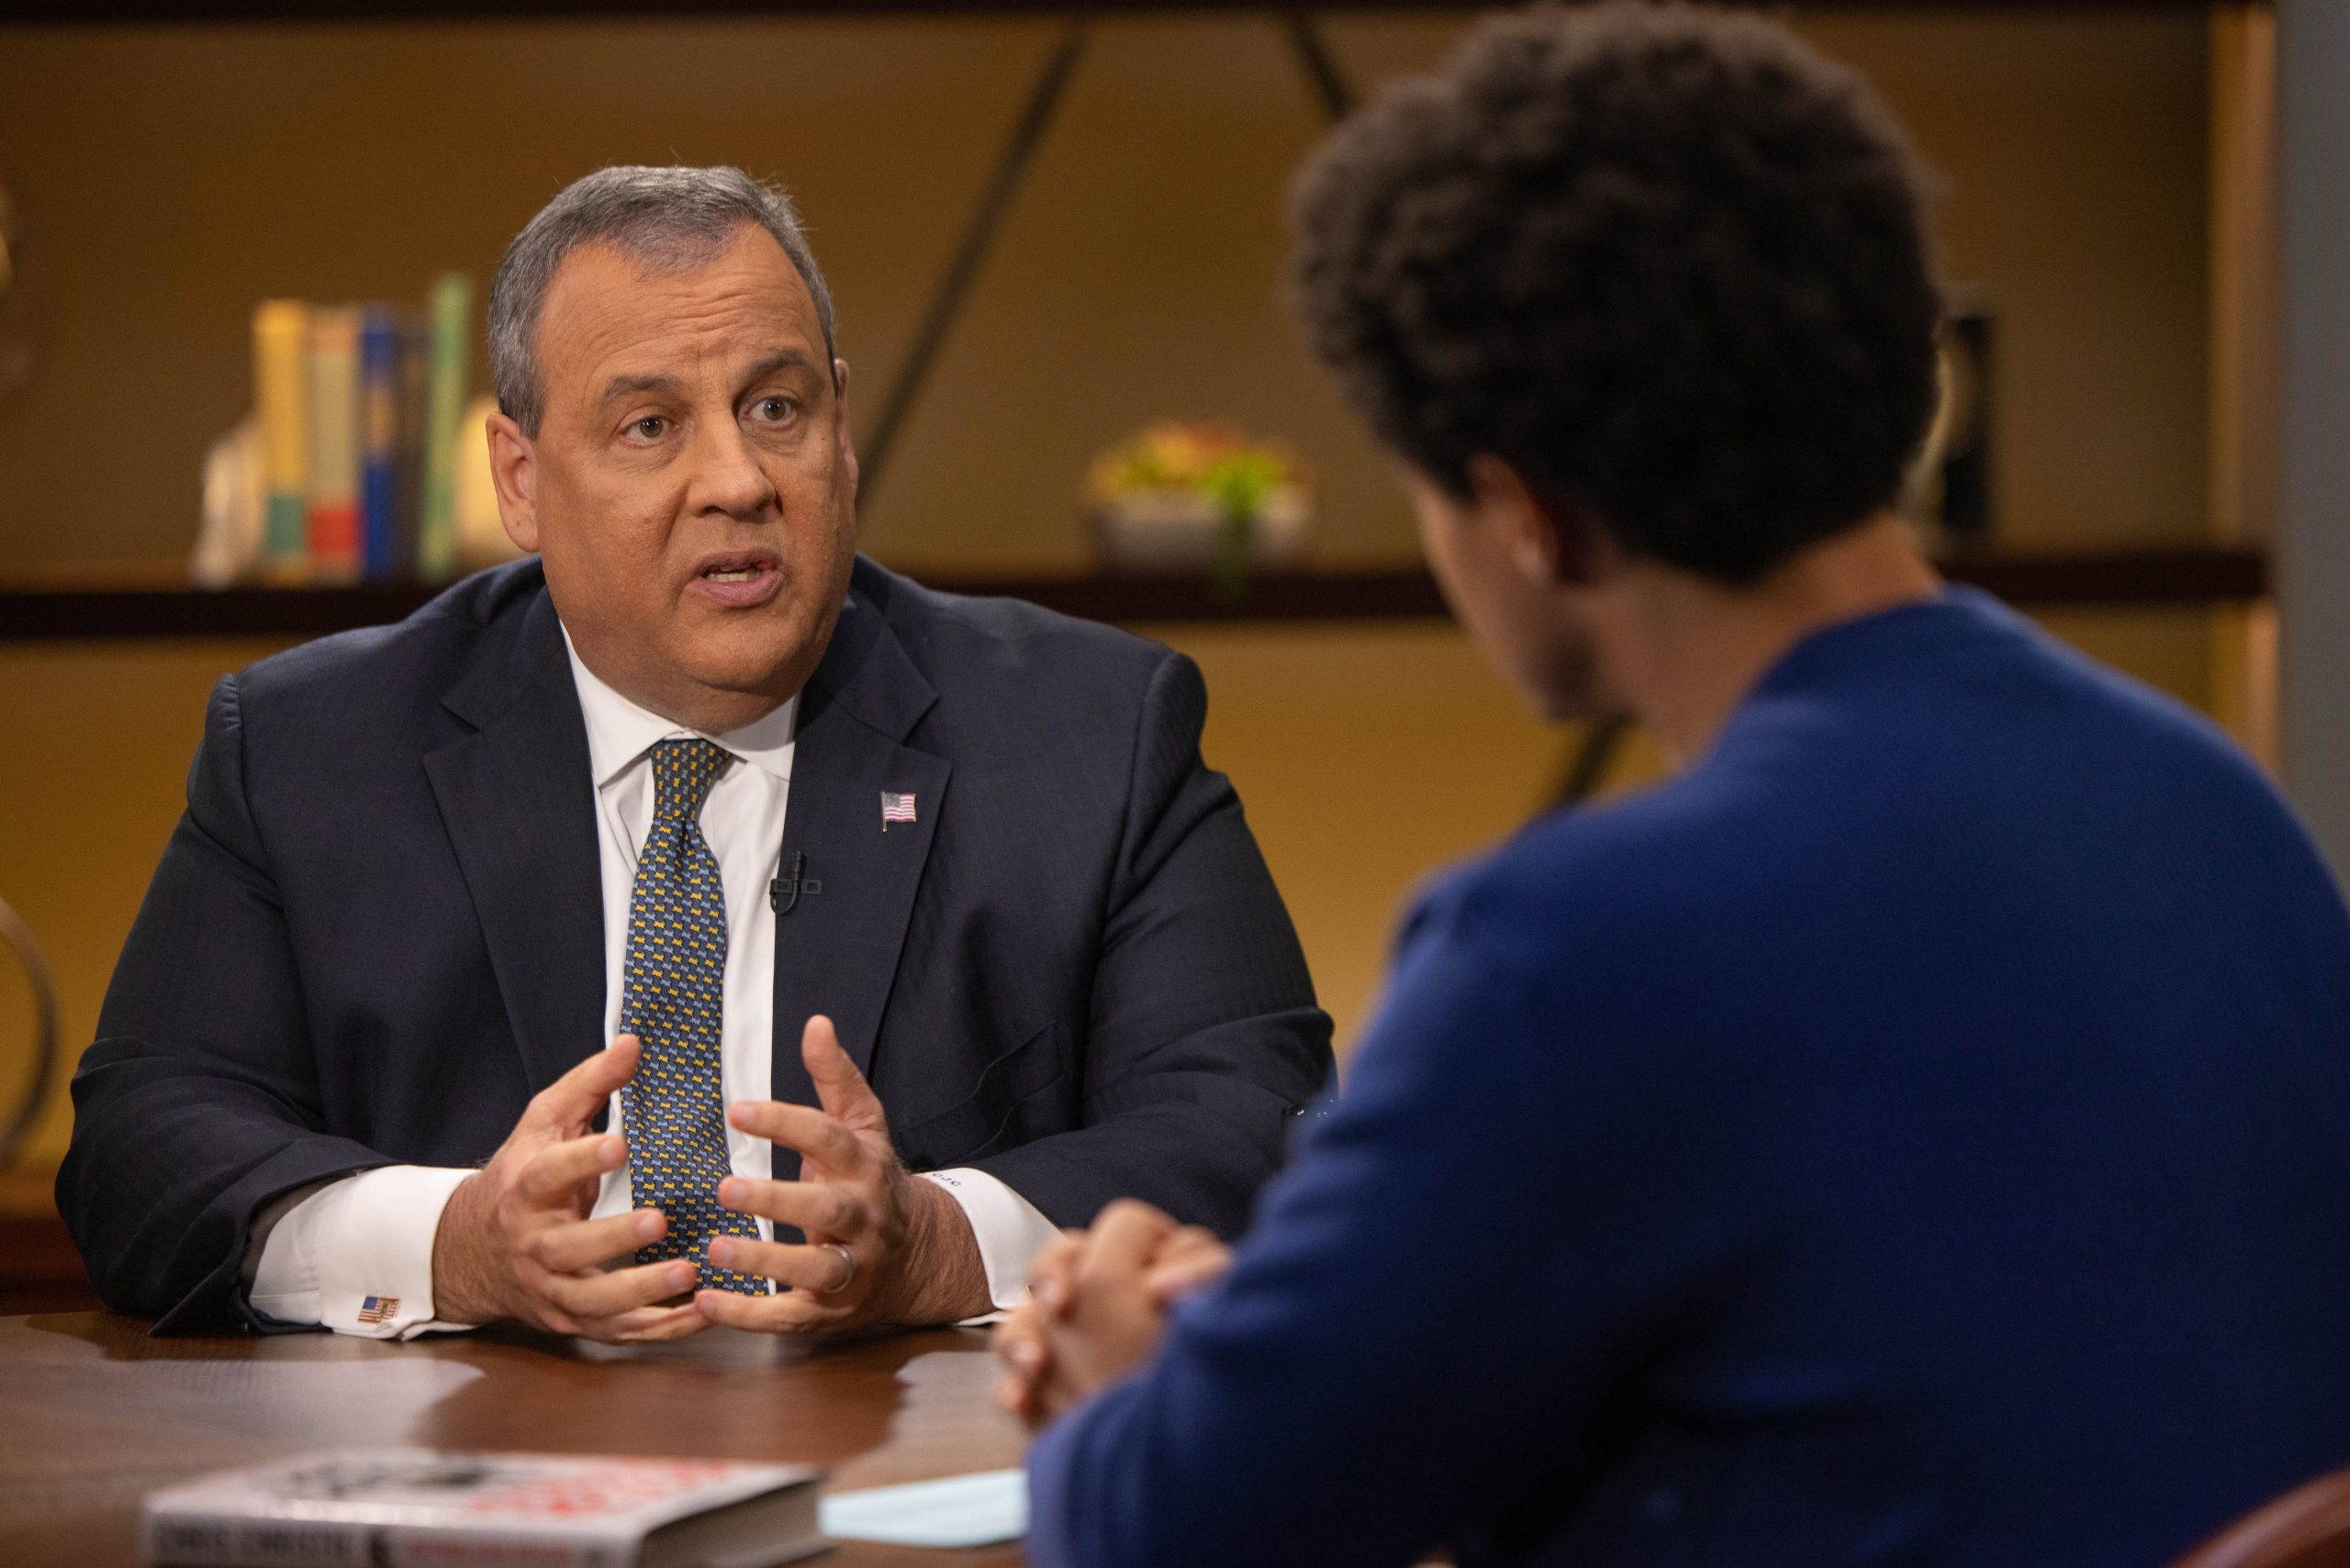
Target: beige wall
[(171, 177), (92, 777), (2072, 153)]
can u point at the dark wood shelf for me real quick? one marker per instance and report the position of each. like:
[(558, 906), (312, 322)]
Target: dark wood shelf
[(2177, 575), (161, 611), (2192, 575), (85, 12)]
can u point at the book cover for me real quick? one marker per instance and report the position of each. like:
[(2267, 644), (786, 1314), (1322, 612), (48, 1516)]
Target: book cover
[(380, 386), (439, 1509), (451, 314), (335, 445), (281, 339), (416, 358)]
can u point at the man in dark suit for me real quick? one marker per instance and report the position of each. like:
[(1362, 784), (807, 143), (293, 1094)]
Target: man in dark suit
[(1917, 1132), (701, 823)]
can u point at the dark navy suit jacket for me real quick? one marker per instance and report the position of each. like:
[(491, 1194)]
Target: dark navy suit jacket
[(379, 929), (1918, 1134)]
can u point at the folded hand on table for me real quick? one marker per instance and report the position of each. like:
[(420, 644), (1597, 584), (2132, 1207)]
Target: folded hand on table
[(1098, 1301)]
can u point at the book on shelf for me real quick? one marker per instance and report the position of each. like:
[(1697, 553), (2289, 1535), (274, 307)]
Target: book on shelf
[(451, 318), (281, 347), (333, 382), (440, 1509), (380, 346), (365, 459)]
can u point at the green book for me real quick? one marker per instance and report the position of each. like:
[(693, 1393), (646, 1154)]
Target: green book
[(450, 314)]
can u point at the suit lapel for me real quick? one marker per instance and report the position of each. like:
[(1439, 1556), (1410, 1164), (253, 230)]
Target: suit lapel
[(836, 951), (517, 799)]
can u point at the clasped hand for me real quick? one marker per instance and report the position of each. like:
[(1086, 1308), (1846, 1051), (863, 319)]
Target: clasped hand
[(516, 1243), (1098, 1301)]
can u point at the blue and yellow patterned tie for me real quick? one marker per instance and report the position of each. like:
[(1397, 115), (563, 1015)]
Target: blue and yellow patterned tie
[(672, 994)]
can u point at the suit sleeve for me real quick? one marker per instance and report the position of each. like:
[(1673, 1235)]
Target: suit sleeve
[(1204, 1039), (198, 1102), (1465, 1269)]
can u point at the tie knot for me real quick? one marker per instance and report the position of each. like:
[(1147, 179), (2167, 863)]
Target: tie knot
[(682, 774)]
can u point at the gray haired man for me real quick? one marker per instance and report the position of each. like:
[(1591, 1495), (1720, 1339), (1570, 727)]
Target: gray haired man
[(551, 957)]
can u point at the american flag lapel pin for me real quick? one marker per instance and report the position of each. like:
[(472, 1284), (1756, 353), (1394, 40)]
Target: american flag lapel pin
[(895, 808)]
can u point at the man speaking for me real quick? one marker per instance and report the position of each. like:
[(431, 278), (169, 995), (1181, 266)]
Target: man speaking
[(552, 955)]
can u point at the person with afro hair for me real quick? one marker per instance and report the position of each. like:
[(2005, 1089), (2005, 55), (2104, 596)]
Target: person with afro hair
[(1912, 1133)]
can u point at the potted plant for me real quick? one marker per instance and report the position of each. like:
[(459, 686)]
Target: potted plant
[(1182, 496)]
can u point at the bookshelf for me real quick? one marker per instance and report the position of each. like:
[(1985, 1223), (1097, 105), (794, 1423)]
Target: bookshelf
[(2182, 576), (37, 1270), (96, 11)]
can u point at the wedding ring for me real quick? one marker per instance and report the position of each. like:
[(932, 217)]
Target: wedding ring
[(848, 1268)]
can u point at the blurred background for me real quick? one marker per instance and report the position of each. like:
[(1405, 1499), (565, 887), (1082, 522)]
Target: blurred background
[(1046, 237)]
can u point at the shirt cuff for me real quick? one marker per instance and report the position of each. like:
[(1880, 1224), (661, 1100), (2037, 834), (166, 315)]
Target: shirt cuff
[(1011, 1234), (356, 1255)]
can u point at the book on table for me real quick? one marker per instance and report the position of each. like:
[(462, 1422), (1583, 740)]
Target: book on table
[(440, 1509)]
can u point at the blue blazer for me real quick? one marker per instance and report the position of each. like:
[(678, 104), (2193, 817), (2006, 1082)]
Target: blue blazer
[(1918, 1134), (379, 929)]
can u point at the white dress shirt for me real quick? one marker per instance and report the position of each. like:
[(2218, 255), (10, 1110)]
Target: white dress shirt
[(355, 1254)]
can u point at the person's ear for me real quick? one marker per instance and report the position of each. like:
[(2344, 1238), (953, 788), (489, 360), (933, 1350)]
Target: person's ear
[(840, 424), (1551, 544), (514, 471)]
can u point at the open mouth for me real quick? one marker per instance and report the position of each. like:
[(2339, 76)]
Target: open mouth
[(739, 581)]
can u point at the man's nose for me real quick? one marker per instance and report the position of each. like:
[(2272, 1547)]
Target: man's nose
[(727, 475)]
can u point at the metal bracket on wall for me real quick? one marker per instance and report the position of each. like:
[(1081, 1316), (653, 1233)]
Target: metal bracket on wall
[(1010, 168), (947, 300), (1321, 69), (19, 936)]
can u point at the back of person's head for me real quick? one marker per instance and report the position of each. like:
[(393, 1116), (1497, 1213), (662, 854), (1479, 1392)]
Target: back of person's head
[(1667, 263)]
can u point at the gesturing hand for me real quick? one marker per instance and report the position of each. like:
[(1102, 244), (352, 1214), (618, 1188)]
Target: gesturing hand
[(1098, 1303), (515, 1241), (881, 1246)]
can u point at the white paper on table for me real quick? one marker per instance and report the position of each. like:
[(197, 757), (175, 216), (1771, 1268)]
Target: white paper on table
[(962, 1510)]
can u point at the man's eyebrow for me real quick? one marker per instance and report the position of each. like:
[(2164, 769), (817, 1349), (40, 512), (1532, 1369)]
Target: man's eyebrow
[(785, 359), (626, 385)]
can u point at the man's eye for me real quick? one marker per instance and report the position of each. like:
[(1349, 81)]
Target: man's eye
[(775, 410), (650, 427)]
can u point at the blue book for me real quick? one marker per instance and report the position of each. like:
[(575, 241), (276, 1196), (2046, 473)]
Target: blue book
[(379, 440)]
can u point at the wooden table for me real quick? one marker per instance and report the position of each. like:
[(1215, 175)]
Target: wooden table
[(95, 1413)]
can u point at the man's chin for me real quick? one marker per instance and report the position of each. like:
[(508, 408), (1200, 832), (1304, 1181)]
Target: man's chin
[(751, 667), (771, 681), (744, 649)]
